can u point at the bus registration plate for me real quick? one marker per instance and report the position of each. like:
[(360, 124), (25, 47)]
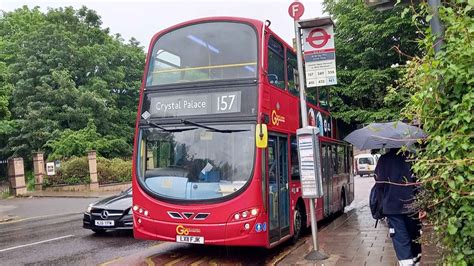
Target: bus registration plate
[(190, 239)]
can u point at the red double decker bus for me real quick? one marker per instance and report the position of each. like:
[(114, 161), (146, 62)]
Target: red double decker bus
[(198, 176)]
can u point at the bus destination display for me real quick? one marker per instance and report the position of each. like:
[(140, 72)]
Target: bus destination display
[(195, 104)]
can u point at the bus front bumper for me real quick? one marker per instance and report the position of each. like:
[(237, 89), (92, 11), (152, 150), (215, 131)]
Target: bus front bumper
[(249, 232)]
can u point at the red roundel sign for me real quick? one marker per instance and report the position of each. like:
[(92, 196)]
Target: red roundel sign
[(296, 10), (318, 38)]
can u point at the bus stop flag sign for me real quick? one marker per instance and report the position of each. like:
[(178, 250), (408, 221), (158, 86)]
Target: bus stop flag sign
[(319, 56), (296, 10)]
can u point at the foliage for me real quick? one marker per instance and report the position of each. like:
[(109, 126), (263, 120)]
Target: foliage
[(30, 180), (369, 44), (60, 70), (72, 172), (442, 101), (5, 195), (114, 171), (69, 143)]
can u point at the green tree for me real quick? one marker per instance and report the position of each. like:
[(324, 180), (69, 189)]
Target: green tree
[(65, 70), (368, 46), (69, 143), (442, 101)]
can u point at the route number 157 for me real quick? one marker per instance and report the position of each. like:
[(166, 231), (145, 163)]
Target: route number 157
[(225, 102)]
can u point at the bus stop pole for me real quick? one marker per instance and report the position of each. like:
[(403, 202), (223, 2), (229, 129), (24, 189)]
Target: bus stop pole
[(315, 254), (301, 78)]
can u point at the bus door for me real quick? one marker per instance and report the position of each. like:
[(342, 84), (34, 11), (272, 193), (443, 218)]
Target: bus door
[(278, 192)]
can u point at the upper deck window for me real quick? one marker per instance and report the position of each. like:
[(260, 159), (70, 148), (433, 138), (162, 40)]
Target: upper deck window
[(276, 63), (292, 72), (204, 52)]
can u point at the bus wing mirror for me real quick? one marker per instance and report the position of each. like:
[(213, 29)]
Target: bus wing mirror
[(261, 136)]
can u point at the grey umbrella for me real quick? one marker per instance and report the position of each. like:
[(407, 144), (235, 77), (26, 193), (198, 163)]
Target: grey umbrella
[(385, 135)]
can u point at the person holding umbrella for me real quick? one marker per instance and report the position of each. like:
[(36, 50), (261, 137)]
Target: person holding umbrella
[(394, 177)]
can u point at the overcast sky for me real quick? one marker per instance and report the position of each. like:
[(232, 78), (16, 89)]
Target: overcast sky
[(143, 18)]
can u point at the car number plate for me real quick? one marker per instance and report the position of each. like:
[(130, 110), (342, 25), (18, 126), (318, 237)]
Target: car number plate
[(104, 223), (190, 239)]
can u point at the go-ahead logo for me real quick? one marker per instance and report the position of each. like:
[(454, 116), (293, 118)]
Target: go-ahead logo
[(182, 230), (276, 118)]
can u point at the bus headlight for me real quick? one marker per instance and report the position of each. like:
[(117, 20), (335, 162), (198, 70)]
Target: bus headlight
[(245, 214)]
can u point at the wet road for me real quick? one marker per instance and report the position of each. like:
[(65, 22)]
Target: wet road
[(48, 231), (62, 241)]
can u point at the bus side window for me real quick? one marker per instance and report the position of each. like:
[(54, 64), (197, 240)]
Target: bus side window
[(292, 72), (324, 98), (334, 158), (347, 159), (276, 63), (340, 159), (295, 167)]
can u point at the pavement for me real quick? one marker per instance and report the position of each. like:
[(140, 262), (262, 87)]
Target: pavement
[(71, 194), (350, 239), (33, 204)]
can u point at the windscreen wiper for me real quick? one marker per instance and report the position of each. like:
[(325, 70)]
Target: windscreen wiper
[(169, 130), (187, 122)]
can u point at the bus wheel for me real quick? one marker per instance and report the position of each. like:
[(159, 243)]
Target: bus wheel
[(298, 220), (343, 201)]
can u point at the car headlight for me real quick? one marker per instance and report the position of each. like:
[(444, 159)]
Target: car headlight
[(89, 209)]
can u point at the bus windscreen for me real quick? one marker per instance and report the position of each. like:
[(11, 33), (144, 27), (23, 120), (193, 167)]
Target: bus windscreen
[(197, 164)]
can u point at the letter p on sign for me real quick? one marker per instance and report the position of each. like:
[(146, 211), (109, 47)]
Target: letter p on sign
[(296, 10)]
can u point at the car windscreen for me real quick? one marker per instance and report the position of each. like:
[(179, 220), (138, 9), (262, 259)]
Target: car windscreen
[(366, 160)]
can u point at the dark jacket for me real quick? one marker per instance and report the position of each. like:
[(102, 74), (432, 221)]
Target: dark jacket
[(394, 168)]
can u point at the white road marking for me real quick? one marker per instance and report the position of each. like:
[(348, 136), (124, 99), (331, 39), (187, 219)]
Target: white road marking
[(36, 243)]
